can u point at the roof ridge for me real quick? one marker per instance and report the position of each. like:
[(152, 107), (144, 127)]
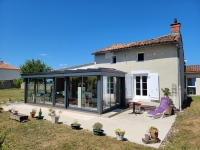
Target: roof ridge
[(158, 40)]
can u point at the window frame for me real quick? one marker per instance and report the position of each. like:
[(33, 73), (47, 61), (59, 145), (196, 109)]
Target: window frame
[(111, 61), (138, 57)]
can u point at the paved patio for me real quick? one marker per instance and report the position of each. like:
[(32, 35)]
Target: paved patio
[(134, 125)]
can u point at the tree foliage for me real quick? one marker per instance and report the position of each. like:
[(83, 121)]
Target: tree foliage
[(18, 82), (33, 66)]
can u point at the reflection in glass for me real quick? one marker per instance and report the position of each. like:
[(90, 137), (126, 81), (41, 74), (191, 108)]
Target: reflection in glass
[(59, 91), (31, 95), (39, 95), (111, 92)]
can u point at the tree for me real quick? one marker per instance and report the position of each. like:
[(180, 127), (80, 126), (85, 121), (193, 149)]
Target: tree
[(2, 84), (33, 66), (18, 82)]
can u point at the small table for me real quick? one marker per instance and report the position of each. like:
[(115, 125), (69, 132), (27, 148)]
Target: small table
[(135, 103)]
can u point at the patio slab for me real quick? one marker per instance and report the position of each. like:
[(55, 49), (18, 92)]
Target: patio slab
[(135, 125)]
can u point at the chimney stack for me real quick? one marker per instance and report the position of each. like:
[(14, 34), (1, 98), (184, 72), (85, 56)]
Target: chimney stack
[(1, 62), (175, 27)]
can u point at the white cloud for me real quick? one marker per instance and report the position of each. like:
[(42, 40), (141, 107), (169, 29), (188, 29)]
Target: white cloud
[(63, 65), (43, 54), (6, 63)]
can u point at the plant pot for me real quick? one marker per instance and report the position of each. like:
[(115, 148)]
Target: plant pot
[(153, 135), (75, 127), (54, 119), (120, 137), (32, 114), (39, 117), (98, 132)]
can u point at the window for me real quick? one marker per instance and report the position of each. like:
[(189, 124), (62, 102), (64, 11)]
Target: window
[(110, 85), (140, 56), (113, 60), (191, 86), (141, 85)]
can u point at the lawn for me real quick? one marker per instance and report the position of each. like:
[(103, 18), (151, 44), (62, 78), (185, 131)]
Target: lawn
[(34, 134), (42, 134), (14, 94), (187, 127)]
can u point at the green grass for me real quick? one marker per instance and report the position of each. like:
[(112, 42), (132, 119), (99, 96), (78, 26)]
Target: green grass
[(43, 135), (187, 126), (14, 94)]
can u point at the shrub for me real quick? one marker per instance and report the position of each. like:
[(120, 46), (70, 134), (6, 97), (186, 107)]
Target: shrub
[(97, 126)]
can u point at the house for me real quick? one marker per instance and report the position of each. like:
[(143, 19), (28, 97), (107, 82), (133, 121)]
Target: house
[(7, 74), (192, 80), (136, 70), (150, 66)]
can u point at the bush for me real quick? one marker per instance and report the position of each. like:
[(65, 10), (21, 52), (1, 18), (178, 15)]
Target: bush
[(97, 126)]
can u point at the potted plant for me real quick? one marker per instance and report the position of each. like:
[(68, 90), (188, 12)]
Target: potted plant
[(120, 134), (54, 117), (166, 92), (32, 113), (39, 115), (153, 132), (75, 125), (97, 128)]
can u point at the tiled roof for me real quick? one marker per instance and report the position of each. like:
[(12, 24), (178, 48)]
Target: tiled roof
[(171, 38), (192, 68), (6, 66)]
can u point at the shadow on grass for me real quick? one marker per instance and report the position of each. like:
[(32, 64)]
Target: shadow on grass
[(187, 103), (78, 128)]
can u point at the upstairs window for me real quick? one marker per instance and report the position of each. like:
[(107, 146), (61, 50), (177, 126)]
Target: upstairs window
[(113, 60), (140, 57)]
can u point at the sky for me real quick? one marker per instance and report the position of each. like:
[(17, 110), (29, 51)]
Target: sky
[(64, 33)]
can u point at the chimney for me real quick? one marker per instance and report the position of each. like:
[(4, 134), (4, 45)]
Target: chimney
[(175, 27), (1, 62)]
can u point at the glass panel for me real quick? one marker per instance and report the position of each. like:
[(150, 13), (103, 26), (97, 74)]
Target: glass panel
[(137, 85), (144, 78), (73, 91), (48, 93), (89, 92), (144, 86), (31, 94), (59, 91), (191, 81), (191, 90), (113, 92), (144, 92), (118, 91), (137, 91), (106, 93), (137, 78), (39, 96)]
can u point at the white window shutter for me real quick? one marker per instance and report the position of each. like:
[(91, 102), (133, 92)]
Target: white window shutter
[(128, 85), (153, 86)]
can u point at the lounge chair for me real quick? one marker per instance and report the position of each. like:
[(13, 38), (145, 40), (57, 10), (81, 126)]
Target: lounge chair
[(161, 109)]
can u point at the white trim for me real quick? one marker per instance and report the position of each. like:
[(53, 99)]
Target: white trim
[(140, 72)]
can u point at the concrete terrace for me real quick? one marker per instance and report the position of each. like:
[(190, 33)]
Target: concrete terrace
[(134, 125)]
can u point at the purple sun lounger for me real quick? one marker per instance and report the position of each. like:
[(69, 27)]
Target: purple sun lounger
[(161, 109)]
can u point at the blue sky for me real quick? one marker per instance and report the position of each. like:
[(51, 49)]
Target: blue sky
[(64, 33)]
